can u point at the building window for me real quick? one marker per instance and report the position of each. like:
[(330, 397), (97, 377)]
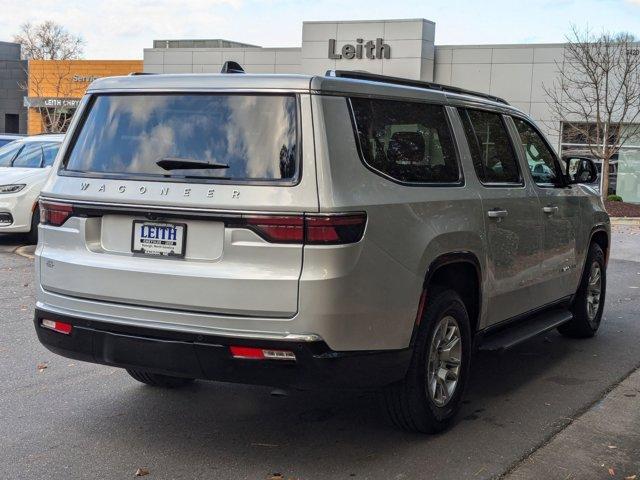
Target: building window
[(624, 166), (11, 123)]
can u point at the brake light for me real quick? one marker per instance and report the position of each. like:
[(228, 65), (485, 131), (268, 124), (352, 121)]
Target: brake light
[(60, 327), (334, 229), (251, 353), (278, 229), (54, 213), (310, 229)]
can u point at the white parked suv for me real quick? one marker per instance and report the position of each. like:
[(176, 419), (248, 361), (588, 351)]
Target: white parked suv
[(347, 230), (24, 167)]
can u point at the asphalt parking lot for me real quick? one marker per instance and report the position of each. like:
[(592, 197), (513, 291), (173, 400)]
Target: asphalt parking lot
[(76, 420)]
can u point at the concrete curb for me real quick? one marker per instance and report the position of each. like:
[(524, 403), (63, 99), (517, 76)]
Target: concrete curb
[(26, 251), (635, 221), (600, 443)]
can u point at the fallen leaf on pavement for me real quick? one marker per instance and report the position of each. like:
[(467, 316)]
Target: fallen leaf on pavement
[(141, 472), (630, 477), (275, 476), (612, 447), (612, 472), (41, 366)]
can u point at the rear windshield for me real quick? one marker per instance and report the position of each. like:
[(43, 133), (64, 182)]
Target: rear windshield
[(189, 136)]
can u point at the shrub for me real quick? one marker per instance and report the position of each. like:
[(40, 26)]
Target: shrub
[(614, 198)]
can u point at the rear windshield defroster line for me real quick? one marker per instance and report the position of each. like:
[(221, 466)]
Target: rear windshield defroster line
[(198, 137)]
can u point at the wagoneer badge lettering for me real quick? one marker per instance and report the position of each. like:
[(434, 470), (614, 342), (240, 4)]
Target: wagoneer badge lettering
[(163, 191)]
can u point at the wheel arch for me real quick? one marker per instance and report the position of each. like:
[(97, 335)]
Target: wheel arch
[(461, 271), (601, 236)]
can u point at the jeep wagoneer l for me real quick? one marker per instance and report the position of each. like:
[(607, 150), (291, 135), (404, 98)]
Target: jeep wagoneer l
[(346, 230)]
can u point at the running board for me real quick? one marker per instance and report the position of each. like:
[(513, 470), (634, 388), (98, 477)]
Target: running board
[(524, 330)]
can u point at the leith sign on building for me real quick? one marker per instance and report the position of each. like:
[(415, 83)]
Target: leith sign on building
[(371, 50), (400, 48)]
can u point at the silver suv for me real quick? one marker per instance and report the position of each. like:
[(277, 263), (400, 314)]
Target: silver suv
[(349, 230)]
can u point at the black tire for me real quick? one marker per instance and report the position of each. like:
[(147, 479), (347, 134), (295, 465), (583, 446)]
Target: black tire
[(582, 325), (32, 236), (158, 380), (409, 404)]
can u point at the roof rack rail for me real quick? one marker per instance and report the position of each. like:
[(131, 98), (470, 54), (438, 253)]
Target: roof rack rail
[(358, 75), (135, 74)]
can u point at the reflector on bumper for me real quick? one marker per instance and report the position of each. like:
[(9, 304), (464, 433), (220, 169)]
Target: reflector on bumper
[(59, 327), (250, 353)]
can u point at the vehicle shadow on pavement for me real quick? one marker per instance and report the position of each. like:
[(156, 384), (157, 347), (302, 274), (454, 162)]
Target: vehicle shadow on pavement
[(209, 423), (12, 240)]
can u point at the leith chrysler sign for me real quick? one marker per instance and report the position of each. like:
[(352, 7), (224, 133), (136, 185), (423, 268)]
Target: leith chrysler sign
[(50, 102), (372, 50)]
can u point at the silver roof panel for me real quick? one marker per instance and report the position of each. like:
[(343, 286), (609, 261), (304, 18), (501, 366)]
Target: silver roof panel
[(202, 81), (288, 82)]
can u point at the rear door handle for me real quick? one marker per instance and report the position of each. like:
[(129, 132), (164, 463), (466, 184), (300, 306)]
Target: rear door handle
[(497, 213), (550, 209)]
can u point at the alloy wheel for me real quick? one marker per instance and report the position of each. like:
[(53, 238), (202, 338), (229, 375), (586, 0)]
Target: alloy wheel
[(443, 363), (594, 291)]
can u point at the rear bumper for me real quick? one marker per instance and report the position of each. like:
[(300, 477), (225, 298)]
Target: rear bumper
[(208, 357)]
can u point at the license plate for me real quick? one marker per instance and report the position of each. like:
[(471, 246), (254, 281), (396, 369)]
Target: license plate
[(159, 239)]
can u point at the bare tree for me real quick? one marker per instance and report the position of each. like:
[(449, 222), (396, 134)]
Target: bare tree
[(52, 80), (54, 94), (596, 95), (48, 41)]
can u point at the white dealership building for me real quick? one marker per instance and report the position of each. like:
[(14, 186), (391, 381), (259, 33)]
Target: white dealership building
[(401, 48)]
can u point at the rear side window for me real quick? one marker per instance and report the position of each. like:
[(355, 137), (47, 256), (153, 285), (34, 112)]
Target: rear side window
[(407, 141), (493, 155), (248, 137)]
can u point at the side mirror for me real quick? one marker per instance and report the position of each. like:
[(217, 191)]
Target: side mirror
[(580, 170)]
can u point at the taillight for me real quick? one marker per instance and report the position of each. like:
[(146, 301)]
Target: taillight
[(277, 229), (310, 229), (334, 229), (54, 213)]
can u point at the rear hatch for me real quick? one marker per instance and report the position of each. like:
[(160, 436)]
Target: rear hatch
[(184, 200)]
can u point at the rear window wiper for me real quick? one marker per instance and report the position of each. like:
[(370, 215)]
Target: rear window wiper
[(173, 163)]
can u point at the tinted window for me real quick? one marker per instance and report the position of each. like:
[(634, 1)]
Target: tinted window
[(8, 152), (30, 156), (233, 137), (540, 158), (493, 156), (3, 142), (409, 141), (50, 150)]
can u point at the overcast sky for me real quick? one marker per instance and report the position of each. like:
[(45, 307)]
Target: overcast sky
[(120, 29)]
